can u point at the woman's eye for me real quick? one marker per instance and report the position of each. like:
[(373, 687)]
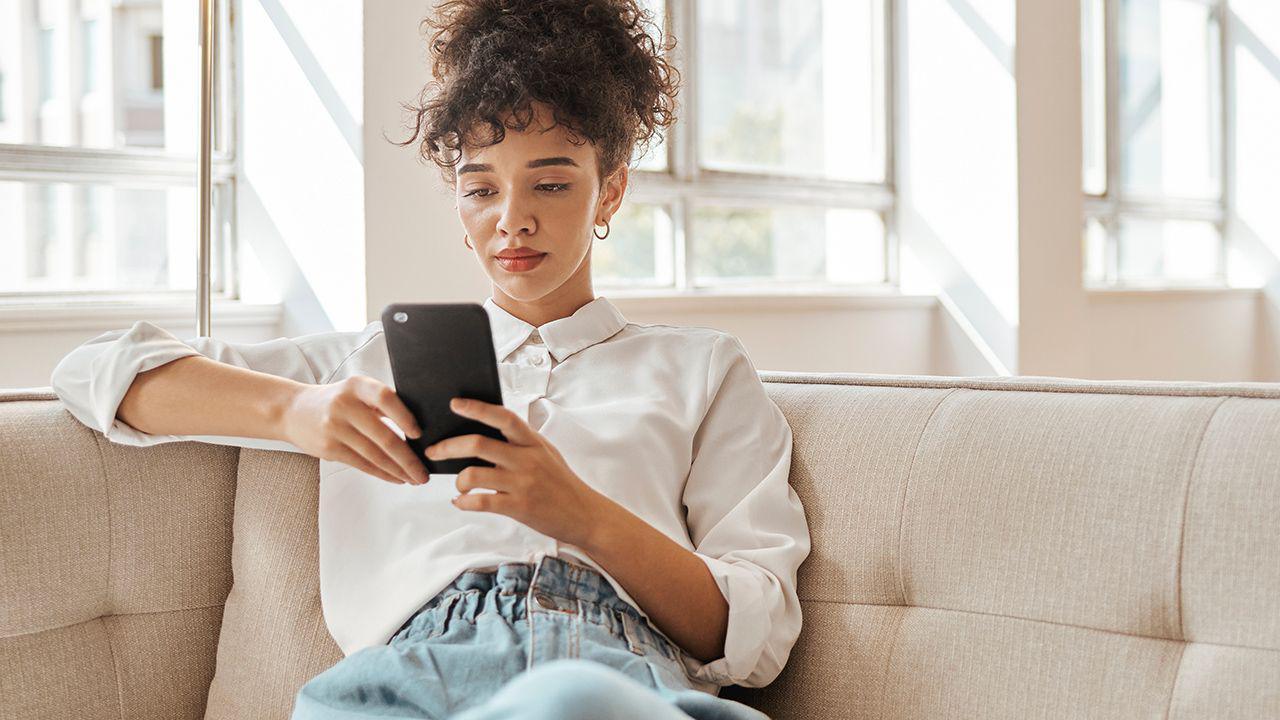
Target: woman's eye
[(554, 187), (485, 191)]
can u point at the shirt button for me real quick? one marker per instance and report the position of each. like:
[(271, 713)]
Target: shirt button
[(539, 359), (545, 600)]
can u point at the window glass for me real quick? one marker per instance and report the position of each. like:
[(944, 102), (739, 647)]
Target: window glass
[(104, 237), (801, 244), (1152, 250), (96, 74), (1170, 95), (791, 87), (638, 249)]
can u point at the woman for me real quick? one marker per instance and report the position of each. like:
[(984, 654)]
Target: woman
[(635, 545)]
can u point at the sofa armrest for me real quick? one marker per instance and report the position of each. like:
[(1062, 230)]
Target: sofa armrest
[(115, 562)]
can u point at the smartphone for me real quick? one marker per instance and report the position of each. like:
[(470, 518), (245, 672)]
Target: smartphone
[(440, 351)]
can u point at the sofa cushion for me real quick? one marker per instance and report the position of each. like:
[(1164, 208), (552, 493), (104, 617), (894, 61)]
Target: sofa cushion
[(1033, 548), (274, 637), (114, 564)]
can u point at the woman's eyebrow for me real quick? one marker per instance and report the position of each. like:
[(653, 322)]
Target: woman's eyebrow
[(540, 162), (543, 162)]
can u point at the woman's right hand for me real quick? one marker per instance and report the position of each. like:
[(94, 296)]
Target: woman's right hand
[(342, 421)]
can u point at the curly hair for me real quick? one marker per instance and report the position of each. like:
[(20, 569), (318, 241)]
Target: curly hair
[(595, 63)]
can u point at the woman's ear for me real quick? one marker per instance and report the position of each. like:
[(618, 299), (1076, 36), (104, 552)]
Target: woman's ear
[(615, 187)]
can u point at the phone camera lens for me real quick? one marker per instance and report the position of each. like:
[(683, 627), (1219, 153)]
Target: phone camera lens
[(400, 317)]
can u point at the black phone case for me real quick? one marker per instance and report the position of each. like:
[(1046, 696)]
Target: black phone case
[(440, 351)]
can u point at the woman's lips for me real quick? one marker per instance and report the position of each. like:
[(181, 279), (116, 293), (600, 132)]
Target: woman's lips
[(520, 264)]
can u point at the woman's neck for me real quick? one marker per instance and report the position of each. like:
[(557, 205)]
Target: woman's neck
[(550, 307)]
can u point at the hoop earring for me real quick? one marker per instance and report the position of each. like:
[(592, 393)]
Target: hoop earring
[(606, 231), (466, 240)]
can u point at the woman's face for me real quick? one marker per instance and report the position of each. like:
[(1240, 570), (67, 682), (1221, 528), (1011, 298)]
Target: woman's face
[(536, 191)]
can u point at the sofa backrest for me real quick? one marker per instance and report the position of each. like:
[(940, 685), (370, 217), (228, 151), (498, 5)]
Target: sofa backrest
[(115, 562), (1034, 548), (982, 547)]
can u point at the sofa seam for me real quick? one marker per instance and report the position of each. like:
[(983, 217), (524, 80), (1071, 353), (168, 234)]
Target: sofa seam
[(1173, 687), (906, 486), (1192, 472), (111, 541), (1264, 392), (100, 617), (1042, 621), (1186, 503), (899, 618)]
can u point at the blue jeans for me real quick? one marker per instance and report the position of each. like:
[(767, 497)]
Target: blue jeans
[(520, 641)]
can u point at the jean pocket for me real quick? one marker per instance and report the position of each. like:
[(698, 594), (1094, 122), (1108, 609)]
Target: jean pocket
[(643, 637)]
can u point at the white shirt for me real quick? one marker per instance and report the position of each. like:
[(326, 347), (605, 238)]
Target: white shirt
[(671, 422)]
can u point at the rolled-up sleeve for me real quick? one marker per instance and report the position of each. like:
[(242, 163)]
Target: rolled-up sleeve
[(745, 520), (93, 378)]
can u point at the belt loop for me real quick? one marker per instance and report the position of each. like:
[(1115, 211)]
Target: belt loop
[(533, 579)]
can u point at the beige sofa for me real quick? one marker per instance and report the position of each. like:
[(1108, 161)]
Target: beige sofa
[(982, 548)]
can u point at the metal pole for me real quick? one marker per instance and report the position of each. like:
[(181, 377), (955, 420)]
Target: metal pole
[(204, 166)]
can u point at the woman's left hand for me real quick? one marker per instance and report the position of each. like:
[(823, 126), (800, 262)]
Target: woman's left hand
[(533, 483)]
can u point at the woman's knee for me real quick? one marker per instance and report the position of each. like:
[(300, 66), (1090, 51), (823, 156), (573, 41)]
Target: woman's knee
[(573, 681), (574, 689)]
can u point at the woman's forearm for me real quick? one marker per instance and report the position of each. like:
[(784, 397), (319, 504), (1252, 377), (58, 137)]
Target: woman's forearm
[(671, 584), (200, 396)]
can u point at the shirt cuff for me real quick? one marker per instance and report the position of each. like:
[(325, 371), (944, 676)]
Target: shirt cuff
[(112, 373), (748, 631)]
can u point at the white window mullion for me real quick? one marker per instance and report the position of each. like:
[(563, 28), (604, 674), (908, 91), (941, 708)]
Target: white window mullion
[(1111, 29), (684, 156), (1227, 80)]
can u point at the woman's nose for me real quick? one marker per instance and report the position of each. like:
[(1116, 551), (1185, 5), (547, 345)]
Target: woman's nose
[(516, 219)]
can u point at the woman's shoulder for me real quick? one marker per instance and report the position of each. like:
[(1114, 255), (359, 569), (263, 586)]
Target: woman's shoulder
[(686, 338), (712, 349), (660, 332)]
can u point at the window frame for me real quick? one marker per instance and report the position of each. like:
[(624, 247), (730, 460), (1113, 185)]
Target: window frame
[(1113, 204), (684, 183), (142, 167)]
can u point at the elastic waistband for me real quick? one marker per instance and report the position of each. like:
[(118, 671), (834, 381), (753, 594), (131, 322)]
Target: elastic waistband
[(551, 575)]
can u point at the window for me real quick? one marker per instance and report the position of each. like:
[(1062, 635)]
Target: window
[(89, 56), (98, 157), (156, 45), (1155, 132), (778, 172)]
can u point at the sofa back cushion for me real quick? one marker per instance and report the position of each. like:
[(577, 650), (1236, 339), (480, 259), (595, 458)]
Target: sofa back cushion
[(114, 565), (1034, 548), (274, 637), (1006, 548)]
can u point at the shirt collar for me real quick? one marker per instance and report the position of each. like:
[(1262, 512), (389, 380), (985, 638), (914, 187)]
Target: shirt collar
[(596, 321)]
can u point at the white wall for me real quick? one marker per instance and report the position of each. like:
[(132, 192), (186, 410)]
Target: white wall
[(957, 160), (31, 346), (300, 197), (821, 334), (1255, 226), (413, 237), (1186, 335)]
